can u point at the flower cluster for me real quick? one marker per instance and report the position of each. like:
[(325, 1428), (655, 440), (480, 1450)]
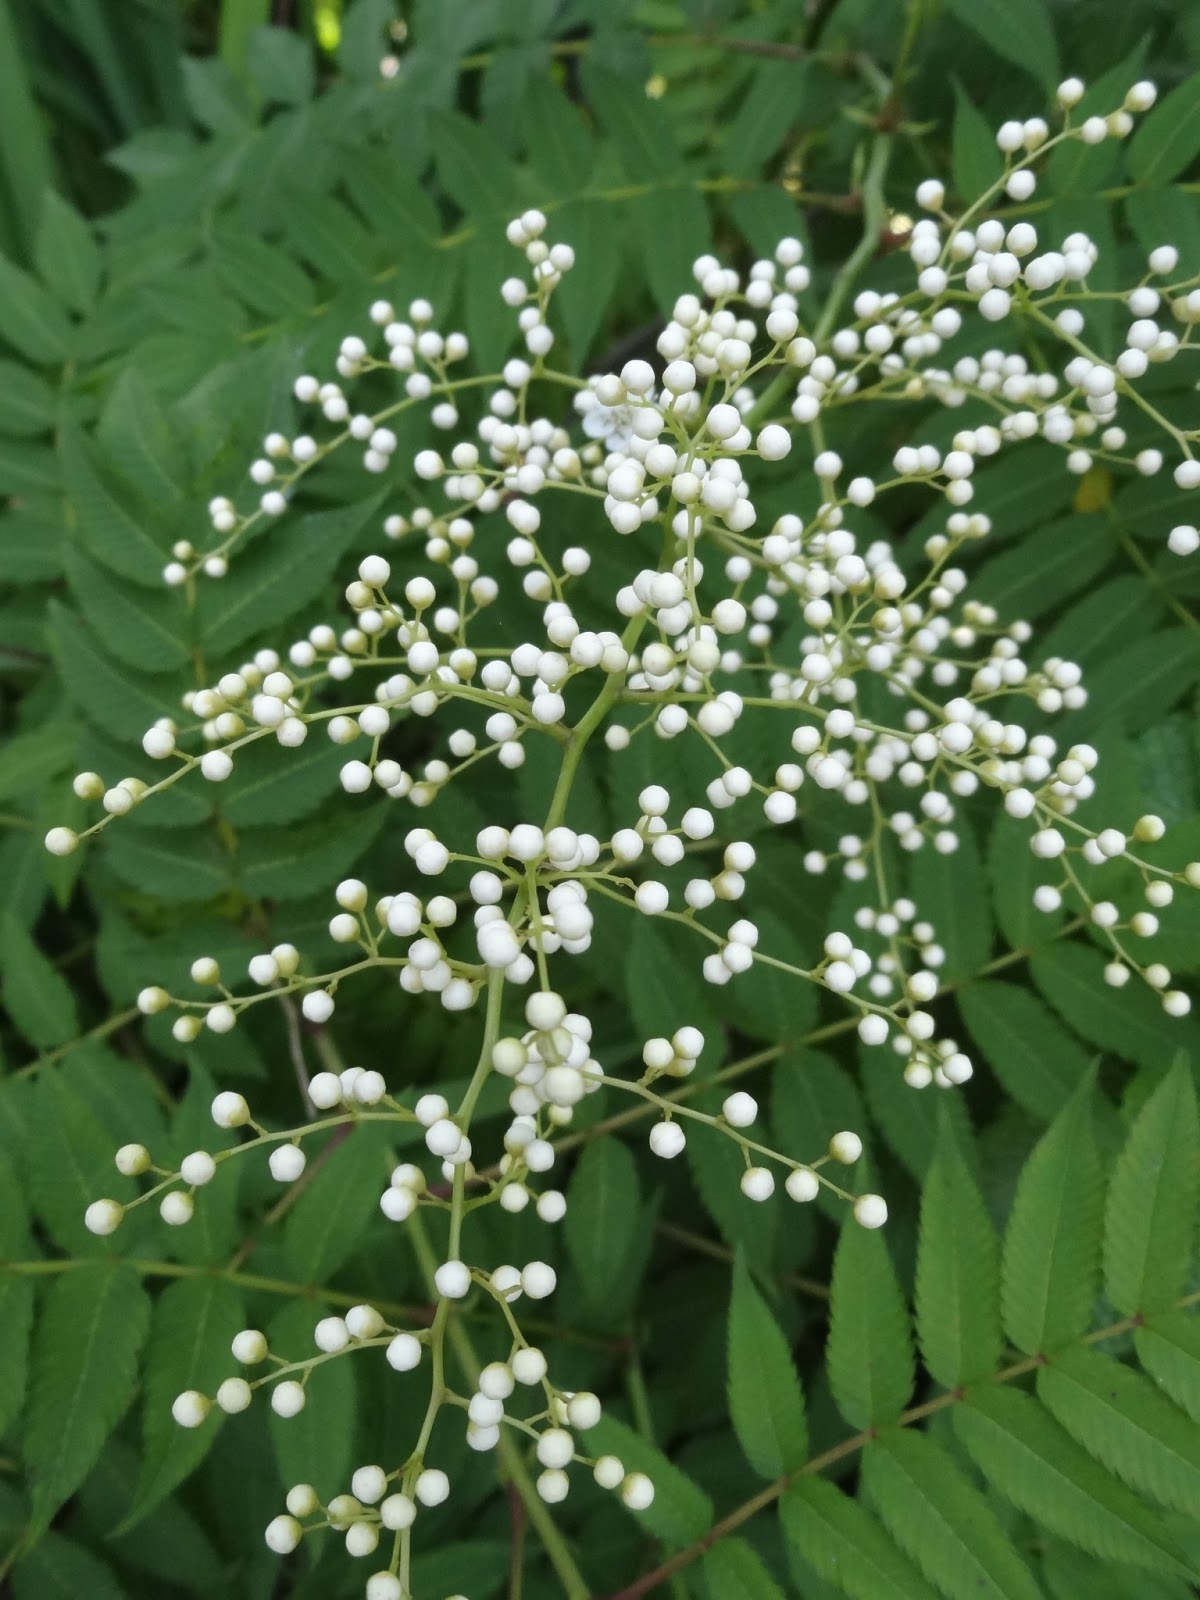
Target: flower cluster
[(888, 688)]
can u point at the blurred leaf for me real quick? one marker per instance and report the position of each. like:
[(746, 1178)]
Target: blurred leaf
[(29, 760), (83, 1377), (176, 865), (473, 171), (638, 126), (39, 999), (27, 401), (1018, 30), (260, 274), (1138, 681), (560, 150), (66, 254), (31, 320), (279, 62), (974, 159), (59, 1569), (769, 109), (1167, 140), (675, 230), (24, 136)]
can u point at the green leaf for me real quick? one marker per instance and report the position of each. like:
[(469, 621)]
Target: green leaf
[(140, 631), (766, 1404), (1018, 30), (662, 982), (556, 138), (269, 785), (175, 865), (1052, 1241), (680, 1511), (1167, 140), (84, 1369), (120, 703), (733, 1570), (675, 229), (27, 401), (66, 254), (29, 760), (1150, 1218), (191, 1330), (1159, 215), (767, 1002), (70, 1165), (106, 528), (974, 159), (317, 1445), (59, 1569), (1120, 1418), (31, 320), (1129, 1023), (604, 1217), (1137, 682), (716, 1165), (1038, 1466), (16, 1318), (287, 864), (474, 172), (1052, 564), (1036, 1060), (585, 294), (941, 1520), (39, 999), (768, 111), (327, 234), (1168, 1346), (324, 1225), (638, 126), (1101, 620), (869, 1354), (949, 892), (836, 1535), (261, 589), (262, 275), (25, 135), (958, 1272)]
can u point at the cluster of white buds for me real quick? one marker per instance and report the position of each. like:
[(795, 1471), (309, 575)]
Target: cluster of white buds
[(808, 628)]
